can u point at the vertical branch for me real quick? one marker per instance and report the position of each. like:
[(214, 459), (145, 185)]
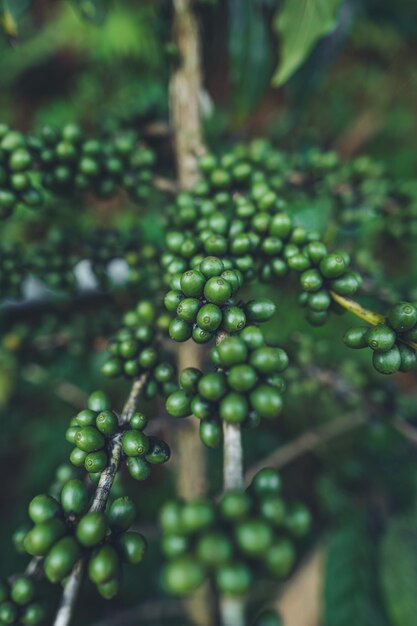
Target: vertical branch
[(232, 608), (232, 457), (185, 88)]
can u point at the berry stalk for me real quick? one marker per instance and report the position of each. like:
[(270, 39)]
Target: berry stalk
[(70, 594)]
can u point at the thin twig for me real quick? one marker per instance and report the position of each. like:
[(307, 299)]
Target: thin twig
[(70, 594), (232, 457), (308, 442)]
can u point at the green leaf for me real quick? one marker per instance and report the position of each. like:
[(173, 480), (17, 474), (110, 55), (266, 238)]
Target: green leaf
[(351, 592), (249, 53), (399, 571), (300, 24)]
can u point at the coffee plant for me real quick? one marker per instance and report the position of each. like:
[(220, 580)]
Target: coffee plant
[(208, 299)]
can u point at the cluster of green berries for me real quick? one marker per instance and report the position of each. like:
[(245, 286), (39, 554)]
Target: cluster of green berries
[(136, 349), (70, 162), (320, 274), (12, 270), (390, 340), (93, 432), (66, 531), (19, 605), (53, 261), (248, 228), (246, 386), (244, 534), (16, 172), (202, 299)]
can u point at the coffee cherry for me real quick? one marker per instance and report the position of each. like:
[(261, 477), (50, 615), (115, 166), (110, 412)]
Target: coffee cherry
[(192, 283), (178, 404), (188, 308), (273, 509), (268, 360), (214, 549), (235, 505), (266, 481), (174, 545), (298, 520), (32, 615), (89, 439), (233, 578), (183, 575), (408, 358), (209, 317), (387, 362), (158, 451), (98, 401), (74, 497), (172, 299), (332, 265), (135, 443), (170, 517), (232, 351), (212, 386), (253, 337), (91, 529), (254, 537), (217, 291), (61, 559), (311, 280), (78, 457), (189, 378), (179, 330), (86, 418), (280, 558), (138, 421), (234, 319), (210, 433), (402, 316), (107, 423), (266, 401), (43, 508), (109, 589), (122, 514), (8, 613), (96, 462), (357, 337), (196, 515), (22, 590), (138, 468), (132, 547), (211, 266), (381, 337), (234, 408), (242, 378), (103, 565)]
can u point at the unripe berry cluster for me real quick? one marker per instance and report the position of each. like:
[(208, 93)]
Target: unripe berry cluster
[(93, 431), (245, 387), (390, 340), (135, 350), (16, 172), (245, 533), (19, 605), (65, 531), (12, 270), (70, 162), (202, 299)]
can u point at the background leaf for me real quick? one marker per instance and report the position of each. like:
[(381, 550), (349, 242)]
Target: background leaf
[(399, 571), (300, 24)]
